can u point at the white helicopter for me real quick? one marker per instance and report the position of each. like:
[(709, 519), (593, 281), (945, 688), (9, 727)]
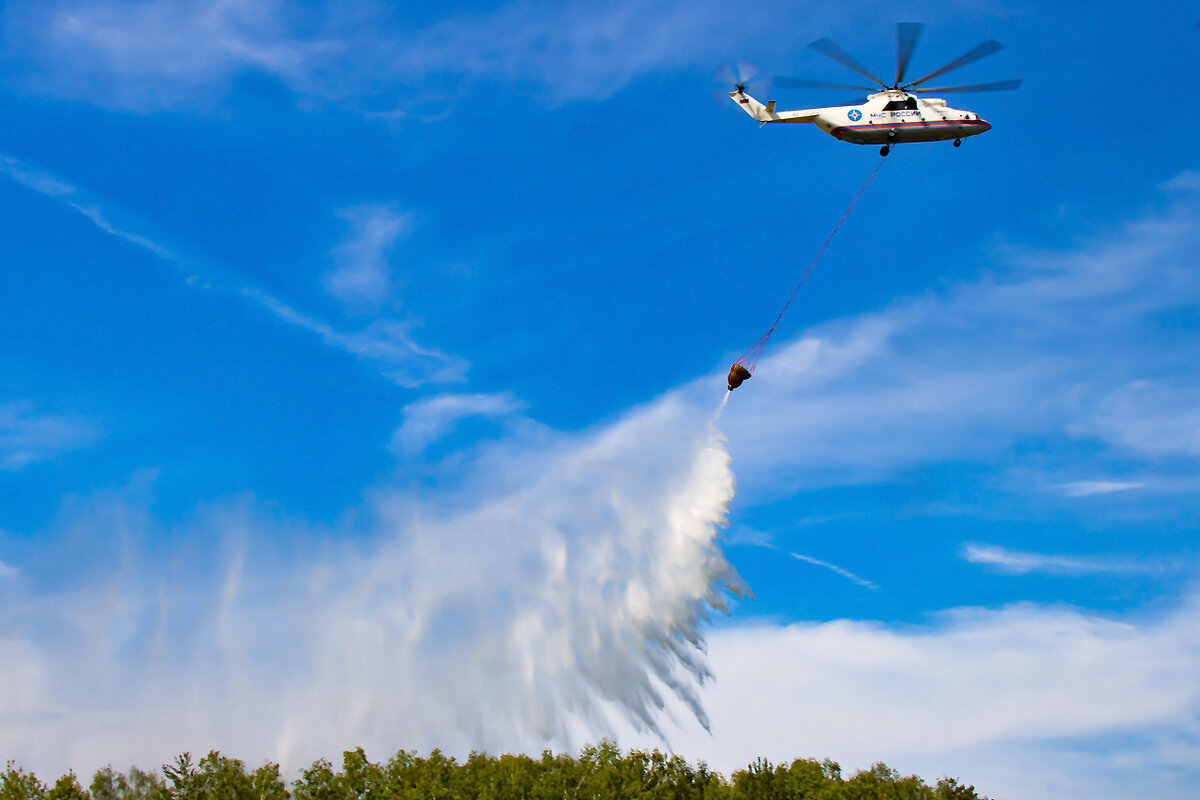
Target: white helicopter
[(896, 114)]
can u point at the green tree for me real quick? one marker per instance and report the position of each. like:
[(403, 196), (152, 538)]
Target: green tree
[(881, 782), (360, 779), (433, 777), (316, 783), (224, 778), (507, 777), (267, 784), (137, 785), (17, 784), (67, 788), (217, 777), (182, 776), (951, 789), (708, 785), (600, 772), (809, 779), (558, 777), (758, 781)]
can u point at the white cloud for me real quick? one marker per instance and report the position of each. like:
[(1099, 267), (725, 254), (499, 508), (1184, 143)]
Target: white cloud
[(428, 419), (579, 50), (364, 272), (164, 53), (34, 178), (1090, 488), (1016, 562), (964, 375), (1152, 416), (28, 436), (1024, 701), (1186, 181)]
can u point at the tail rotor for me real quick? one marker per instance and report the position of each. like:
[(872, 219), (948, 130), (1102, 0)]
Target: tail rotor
[(739, 76)]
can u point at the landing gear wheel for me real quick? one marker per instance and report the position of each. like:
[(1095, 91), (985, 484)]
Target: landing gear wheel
[(883, 151), (958, 142)]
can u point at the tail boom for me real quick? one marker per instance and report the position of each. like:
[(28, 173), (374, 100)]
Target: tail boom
[(767, 113)]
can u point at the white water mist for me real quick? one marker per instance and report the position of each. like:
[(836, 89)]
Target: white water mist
[(565, 598)]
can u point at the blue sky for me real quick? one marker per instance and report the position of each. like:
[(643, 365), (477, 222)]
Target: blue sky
[(344, 343)]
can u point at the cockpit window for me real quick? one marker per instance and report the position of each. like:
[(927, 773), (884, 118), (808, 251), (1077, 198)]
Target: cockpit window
[(907, 104)]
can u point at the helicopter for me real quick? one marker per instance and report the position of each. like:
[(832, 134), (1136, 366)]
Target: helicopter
[(893, 113)]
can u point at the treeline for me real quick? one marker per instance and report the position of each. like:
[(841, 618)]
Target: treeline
[(600, 772)]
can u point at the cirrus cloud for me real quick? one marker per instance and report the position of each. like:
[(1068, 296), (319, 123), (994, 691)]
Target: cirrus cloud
[(152, 54), (1015, 562), (29, 436)]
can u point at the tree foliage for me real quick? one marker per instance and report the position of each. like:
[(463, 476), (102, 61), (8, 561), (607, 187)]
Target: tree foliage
[(600, 772), (20, 785)]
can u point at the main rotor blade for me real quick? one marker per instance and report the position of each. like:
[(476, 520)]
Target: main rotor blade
[(830, 50), (998, 86), (804, 83), (907, 34), (985, 49)]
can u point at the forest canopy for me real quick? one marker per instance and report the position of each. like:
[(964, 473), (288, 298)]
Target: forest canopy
[(601, 772)]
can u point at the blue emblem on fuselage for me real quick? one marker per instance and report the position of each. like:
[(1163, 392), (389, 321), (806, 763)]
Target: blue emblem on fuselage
[(855, 115)]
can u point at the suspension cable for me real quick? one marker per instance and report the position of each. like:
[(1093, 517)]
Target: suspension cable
[(750, 359)]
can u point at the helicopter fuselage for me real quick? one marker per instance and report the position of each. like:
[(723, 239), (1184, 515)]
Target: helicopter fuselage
[(888, 117)]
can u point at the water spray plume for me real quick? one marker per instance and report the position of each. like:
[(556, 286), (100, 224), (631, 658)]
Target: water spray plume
[(512, 614)]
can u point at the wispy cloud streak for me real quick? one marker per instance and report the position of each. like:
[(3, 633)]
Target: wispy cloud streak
[(1092, 488), (51, 186), (385, 343), (28, 436), (845, 573), (428, 419), (1016, 562), (185, 52), (364, 272)]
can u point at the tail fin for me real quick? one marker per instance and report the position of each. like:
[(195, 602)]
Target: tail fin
[(753, 107)]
